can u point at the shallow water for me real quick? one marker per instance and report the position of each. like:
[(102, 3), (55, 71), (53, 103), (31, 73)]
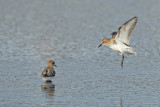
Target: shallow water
[(33, 32)]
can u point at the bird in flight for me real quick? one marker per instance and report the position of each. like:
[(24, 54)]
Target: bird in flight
[(120, 40)]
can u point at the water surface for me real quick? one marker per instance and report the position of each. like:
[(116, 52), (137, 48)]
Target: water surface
[(33, 32)]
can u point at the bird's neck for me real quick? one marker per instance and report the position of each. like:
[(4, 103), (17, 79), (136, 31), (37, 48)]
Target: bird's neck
[(50, 65), (110, 42)]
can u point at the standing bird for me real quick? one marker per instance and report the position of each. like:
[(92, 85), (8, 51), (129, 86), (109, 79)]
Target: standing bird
[(48, 73), (120, 40)]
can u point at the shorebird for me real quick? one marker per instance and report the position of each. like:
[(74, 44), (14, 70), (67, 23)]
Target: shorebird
[(120, 40), (48, 73)]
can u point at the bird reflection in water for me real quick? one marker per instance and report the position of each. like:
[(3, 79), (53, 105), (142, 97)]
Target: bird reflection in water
[(48, 88), (121, 102)]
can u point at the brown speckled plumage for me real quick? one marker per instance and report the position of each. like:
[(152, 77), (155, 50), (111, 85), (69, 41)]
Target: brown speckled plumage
[(49, 70)]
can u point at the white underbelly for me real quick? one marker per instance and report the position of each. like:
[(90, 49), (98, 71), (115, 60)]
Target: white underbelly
[(119, 47), (115, 47), (47, 78)]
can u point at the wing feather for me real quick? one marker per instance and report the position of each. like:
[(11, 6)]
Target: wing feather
[(124, 32), (47, 72)]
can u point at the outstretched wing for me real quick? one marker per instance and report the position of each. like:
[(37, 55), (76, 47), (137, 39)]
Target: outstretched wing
[(124, 32)]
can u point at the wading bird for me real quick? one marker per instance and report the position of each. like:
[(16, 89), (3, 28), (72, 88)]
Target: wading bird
[(48, 73)]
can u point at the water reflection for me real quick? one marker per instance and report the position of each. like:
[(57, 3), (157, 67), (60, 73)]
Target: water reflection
[(121, 102), (48, 88)]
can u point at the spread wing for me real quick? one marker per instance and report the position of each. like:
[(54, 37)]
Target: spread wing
[(124, 32)]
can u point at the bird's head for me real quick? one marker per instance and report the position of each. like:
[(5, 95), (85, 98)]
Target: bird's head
[(104, 42), (51, 63)]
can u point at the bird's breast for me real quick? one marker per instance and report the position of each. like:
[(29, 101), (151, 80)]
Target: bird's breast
[(114, 47)]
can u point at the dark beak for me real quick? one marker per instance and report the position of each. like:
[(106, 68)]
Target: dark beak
[(100, 45), (55, 65)]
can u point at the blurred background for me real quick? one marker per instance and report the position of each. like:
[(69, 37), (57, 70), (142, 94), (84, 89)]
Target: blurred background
[(69, 32)]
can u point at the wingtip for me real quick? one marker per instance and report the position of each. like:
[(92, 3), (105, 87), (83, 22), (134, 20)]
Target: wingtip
[(135, 17)]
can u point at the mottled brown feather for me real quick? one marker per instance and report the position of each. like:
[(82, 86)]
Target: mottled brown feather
[(49, 70)]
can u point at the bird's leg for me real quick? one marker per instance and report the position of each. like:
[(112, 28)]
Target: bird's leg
[(122, 61), (47, 81)]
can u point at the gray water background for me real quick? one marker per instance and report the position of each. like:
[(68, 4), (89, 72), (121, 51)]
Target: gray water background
[(69, 31)]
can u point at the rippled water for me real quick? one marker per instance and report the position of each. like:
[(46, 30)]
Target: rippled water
[(69, 31)]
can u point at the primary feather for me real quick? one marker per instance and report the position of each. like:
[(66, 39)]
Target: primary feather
[(124, 32)]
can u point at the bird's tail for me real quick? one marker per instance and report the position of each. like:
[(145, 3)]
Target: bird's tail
[(132, 52), (135, 54)]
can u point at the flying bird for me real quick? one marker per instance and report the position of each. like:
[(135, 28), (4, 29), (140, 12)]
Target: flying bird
[(120, 40)]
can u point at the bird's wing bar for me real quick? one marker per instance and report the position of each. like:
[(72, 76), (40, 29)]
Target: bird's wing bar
[(124, 32)]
